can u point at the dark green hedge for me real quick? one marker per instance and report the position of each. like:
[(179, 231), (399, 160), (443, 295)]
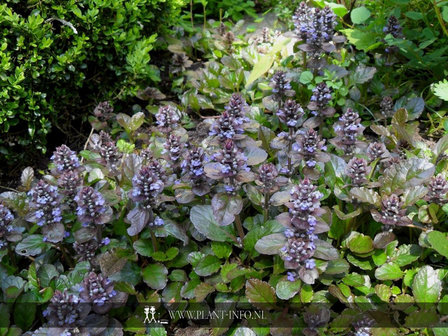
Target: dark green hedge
[(56, 57)]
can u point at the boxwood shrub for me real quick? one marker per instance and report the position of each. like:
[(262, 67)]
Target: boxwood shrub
[(52, 53)]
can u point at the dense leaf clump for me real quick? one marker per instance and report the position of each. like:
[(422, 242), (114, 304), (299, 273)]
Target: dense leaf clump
[(57, 58)]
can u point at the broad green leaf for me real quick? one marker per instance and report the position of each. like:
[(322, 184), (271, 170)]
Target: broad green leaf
[(325, 250), (46, 273), (389, 271), (155, 276), (362, 40), (306, 77), (170, 254), (266, 61), (338, 266), (366, 195), (354, 280), (31, 245), (270, 244), (201, 291), (244, 331), (406, 174), (359, 15), (363, 74), (286, 289), (384, 292), (426, 286), (204, 221), (360, 244), (207, 266), (362, 263), (260, 68), (414, 15), (221, 249), (25, 311), (439, 242), (406, 254), (261, 293), (339, 9), (441, 88), (422, 319), (143, 247)]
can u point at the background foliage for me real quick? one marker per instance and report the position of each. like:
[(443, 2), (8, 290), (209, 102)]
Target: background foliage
[(57, 59)]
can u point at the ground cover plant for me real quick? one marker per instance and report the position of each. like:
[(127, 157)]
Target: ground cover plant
[(296, 182)]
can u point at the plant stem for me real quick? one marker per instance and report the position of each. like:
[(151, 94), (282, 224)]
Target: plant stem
[(87, 142), (239, 227), (266, 206), (440, 18), (289, 151), (304, 60), (154, 241), (191, 15), (205, 16), (66, 257)]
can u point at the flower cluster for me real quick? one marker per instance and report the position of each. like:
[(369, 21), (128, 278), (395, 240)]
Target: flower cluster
[(86, 250), (226, 127), (147, 185), (180, 62), (103, 111), (308, 145), (193, 170), (392, 212), (304, 210), (377, 150), (363, 326), (393, 27), (173, 147), (267, 177), (65, 310), (167, 118), (68, 183), (348, 128), (237, 108), (110, 155), (92, 207), (228, 39), (387, 107), (222, 29), (230, 165), (290, 113), (97, 289), (304, 206), (437, 190), (6, 218), (65, 159), (298, 251), (281, 86), (315, 27), (157, 168), (358, 169), (45, 201), (319, 101)]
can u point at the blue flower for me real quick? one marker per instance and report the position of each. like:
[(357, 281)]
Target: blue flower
[(158, 221), (291, 276), (310, 264), (91, 206), (45, 201), (65, 159)]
